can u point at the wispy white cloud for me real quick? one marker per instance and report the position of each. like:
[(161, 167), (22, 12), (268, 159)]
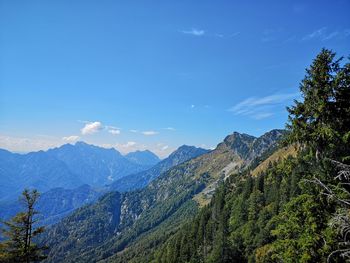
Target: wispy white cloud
[(169, 129), (263, 107), (331, 35), (315, 34), (165, 147), (325, 34), (72, 138), (267, 100), (200, 33), (194, 32), (192, 106), (263, 115), (320, 34), (114, 131), (224, 36), (149, 133), (91, 127)]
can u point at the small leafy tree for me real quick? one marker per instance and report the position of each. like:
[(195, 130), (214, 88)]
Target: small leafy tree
[(20, 231)]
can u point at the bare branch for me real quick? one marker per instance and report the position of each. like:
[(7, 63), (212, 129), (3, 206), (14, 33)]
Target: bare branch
[(342, 252)]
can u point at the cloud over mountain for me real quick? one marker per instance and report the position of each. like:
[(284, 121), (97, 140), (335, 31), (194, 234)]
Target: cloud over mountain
[(91, 128)]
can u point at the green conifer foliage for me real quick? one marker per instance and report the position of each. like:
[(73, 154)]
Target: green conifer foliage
[(322, 120), (20, 231)]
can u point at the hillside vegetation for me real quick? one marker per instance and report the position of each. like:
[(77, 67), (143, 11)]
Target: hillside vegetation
[(293, 207), (150, 215), (249, 200)]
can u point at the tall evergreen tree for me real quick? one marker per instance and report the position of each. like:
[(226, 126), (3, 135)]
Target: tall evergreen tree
[(321, 124), (322, 120), (20, 231)]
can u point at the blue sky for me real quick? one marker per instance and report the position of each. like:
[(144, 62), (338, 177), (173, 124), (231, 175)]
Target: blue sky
[(156, 74)]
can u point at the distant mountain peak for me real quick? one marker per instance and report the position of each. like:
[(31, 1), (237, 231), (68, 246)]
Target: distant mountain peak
[(248, 146), (274, 133), (68, 166), (186, 148), (236, 141), (81, 143), (145, 157), (237, 135)]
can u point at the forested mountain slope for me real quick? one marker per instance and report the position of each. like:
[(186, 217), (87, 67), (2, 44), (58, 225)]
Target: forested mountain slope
[(55, 203), (294, 205), (141, 179), (154, 212), (237, 224), (270, 204)]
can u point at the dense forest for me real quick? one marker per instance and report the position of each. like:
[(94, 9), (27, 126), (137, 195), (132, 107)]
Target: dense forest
[(295, 210)]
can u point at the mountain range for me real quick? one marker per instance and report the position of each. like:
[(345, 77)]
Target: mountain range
[(280, 197), (58, 202), (54, 204), (68, 166), (120, 226), (141, 179)]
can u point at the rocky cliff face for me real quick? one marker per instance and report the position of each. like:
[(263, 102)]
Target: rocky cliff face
[(249, 147)]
